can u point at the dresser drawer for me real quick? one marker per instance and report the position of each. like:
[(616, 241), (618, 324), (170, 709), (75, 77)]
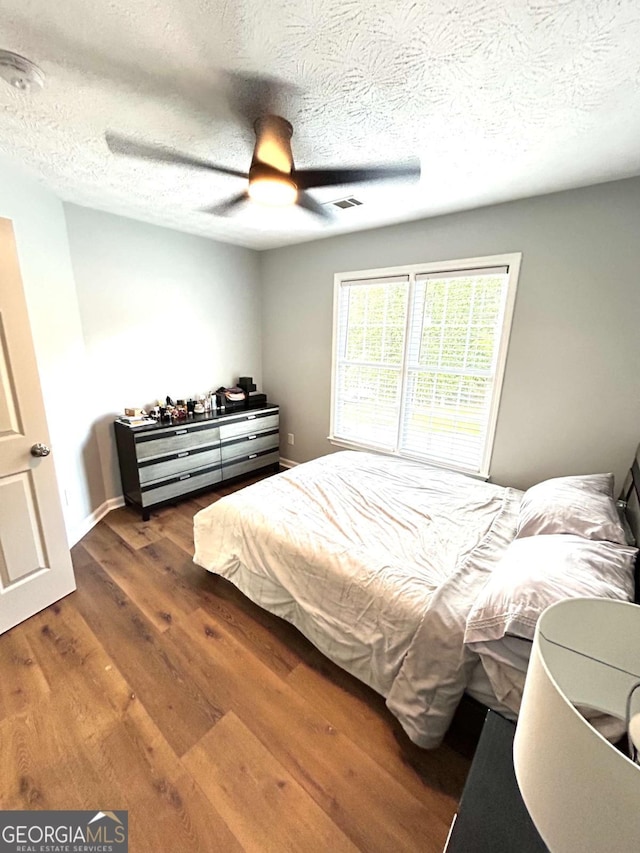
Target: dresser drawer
[(252, 443), (171, 440), (178, 463), (181, 485), (249, 423), (246, 464)]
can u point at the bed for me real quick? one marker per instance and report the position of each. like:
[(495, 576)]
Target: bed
[(420, 582)]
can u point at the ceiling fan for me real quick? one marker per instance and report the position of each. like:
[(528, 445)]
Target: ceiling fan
[(273, 179)]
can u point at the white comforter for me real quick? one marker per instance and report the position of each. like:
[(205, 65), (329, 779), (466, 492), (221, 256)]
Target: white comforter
[(377, 561)]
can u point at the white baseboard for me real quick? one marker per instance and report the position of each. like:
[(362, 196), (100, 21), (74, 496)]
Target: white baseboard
[(80, 530), (288, 463)]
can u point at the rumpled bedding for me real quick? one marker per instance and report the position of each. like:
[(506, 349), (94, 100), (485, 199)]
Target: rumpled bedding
[(377, 561)]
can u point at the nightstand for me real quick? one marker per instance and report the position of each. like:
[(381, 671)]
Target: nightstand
[(492, 817)]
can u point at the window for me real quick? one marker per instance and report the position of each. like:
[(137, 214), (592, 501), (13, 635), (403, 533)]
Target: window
[(419, 356)]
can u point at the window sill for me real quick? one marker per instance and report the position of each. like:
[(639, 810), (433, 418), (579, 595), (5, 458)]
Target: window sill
[(428, 463)]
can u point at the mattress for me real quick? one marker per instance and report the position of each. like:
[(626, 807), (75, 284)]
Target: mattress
[(377, 560)]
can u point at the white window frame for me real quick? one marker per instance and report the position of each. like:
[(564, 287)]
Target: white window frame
[(512, 261)]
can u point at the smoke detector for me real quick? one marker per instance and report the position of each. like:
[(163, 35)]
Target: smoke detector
[(20, 72)]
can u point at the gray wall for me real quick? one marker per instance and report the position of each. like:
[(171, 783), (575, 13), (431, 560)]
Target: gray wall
[(162, 313), (571, 396), (43, 252)]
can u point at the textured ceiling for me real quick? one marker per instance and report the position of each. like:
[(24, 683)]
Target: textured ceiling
[(499, 100)]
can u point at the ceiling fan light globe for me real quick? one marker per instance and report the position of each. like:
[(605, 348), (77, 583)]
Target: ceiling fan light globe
[(274, 192)]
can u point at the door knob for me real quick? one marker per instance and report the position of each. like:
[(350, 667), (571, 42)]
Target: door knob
[(40, 450)]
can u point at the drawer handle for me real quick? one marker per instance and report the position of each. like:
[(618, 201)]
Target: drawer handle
[(185, 476), (185, 453), (181, 432), (251, 437), (252, 455), (250, 417)]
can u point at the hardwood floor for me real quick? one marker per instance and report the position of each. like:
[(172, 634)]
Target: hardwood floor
[(159, 688)]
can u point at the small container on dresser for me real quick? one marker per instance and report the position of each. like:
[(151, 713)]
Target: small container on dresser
[(161, 463)]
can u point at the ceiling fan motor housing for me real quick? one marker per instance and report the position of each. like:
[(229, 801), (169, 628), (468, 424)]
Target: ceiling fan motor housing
[(270, 180), (273, 143)]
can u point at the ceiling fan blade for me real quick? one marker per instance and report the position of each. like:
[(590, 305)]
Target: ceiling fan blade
[(307, 178), (305, 200), (226, 207), (130, 148)]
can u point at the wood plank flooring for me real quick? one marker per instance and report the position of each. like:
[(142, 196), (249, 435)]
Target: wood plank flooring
[(159, 688)]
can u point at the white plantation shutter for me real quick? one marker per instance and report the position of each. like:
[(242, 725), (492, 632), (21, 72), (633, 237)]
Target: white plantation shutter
[(419, 359), (452, 350), (371, 331)]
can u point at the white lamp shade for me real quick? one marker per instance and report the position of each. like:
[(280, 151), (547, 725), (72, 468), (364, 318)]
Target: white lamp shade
[(582, 793)]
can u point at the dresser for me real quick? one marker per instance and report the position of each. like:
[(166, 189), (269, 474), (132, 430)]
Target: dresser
[(161, 463)]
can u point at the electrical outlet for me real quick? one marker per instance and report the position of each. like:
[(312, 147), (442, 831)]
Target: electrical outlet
[(291, 438)]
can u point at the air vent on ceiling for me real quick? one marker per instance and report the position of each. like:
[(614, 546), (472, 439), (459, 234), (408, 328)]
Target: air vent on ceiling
[(344, 203)]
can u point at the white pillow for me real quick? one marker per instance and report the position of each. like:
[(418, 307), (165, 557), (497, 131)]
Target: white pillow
[(537, 571), (581, 505), (597, 484)]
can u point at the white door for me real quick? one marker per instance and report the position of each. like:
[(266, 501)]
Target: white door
[(35, 564)]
